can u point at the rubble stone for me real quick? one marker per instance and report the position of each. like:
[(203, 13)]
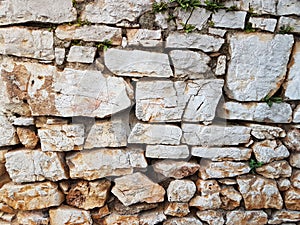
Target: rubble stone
[(82, 54), (178, 209), (231, 19), (222, 153), (27, 137), (181, 190), (211, 217), (275, 169), (167, 152), (239, 217)]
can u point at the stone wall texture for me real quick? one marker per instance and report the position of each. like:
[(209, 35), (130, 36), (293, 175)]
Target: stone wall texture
[(144, 112)]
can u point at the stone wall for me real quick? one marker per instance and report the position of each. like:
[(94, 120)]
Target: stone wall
[(114, 114)]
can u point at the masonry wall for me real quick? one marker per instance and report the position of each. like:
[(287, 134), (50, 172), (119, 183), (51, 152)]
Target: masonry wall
[(136, 112)]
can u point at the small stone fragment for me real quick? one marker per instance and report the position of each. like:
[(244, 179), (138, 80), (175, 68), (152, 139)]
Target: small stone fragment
[(217, 31), (66, 215), (267, 24), (144, 37), (27, 137), (246, 217), (137, 187), (183, 221), (212, 217), (197, 19), (230, 198), (222, 154), (231, 19), (167, 152), (152, 217), (275, 170), (221, 65), (9, 134), (294, 159), (100, 213), (178, 209), (281, 216), (22, 121), (283, 184), (266, 132), (292, 199), (60, 54), (32, 218), (204, 202), (181, 190), (292, 139), (82, 54)]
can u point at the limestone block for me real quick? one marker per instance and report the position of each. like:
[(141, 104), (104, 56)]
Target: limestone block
[(144, 37), (292, 139), (294, 159), (115, 218), (167, 152), (231, 19), (275, 170), (267, 24), (285, 22), (8, 132), (152, 217), (288, 7), (211, 217), (221, 65), (134, 209), (32, 218), (198, 19), (292, 199), (181, 190), (282, 216), (60, 54), (240, 217), (296, 118), (230, 198), (205, 202), (266, 132), (82, 54), (217, 31), (283, 184), (177, 209)]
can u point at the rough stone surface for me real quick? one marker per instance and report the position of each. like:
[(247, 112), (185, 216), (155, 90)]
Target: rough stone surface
[(65, 215), (214, 135), (15, 11), (152, 217), (32, 218), (296, 118), (204, 202), (275, 170), (176, 169), (181, 190), (202, 42), (133, 209), (267, 24), (221, 65), (194, 101), (82, 54), (144, 37), (115, 218), (98, 163), (268, 151), (230, 198), (60, 54), (295, 179), (266, 132), (247, 51), (259, 192), (66, 137), (292, 139), (155, 134), (211, 217), (281, 216), (27, 137), (167, 152), (183, 221), (222, 154), (104, 11), (137, 63), (292, 199), (289, 22), (239, 217), (288, 7), (177, 209), (31, 196), (27, 43), (2, 162), (294, 159), (283, 184), (35, 165), (136, 188), (198, 18), (231, 19), (217, 31), (9, 135)]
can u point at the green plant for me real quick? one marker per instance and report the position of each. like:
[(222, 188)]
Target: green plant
[(106, 44), (285, 29), (52, 28), (188, 28), (254, 164), (232, 8), (249, 28), (187, 4), (270, 100), (81, 23), (75, 42), (74, 3), (213, 5), (211, 23), (159, 7)]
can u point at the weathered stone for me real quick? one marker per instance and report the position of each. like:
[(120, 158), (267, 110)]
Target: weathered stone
[(31, 196), (155, 134), (167, 152), (178, 209), (82, 54), (221, 65), (245, 80), (230, 198), (167, 101), (283, 184), (133, 209), (22, 121), (60, 54), (285, 22), (32, 218), (34, 165), (281, 216), (259, 192), (296, 118), (189, 64), (176, 169), (275, 169), (211, 201), (197, 19), (259, 112), (99, 163), (294, 159), (292, 199), (292, 139), (15, 11), (293, 80), (108, 133), (255, 6), (137, 63), (100, 213), (152, 217), (183, 221), (144, 37), (181, 190), (231, 19), (211, 217), (66, 137), (295, 179), (88, 195), (2, 162), (267, 24), (65, 215), (27, 137), (227, 181), (27, 43), (246, 217), (98, 33), (215, 135), (222, 154), (104, 11), (268, 151), (207, 187), (136, 188), (211, 169), (266, 132), (8, 132), (6, 209), (115, 218), (288, 7), (202, 42), (161, 19), (6, 217)]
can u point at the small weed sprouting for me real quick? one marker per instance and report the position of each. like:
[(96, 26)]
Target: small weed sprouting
[(249, 28), (188, 28), (213, 5), (285, 29), (211, 23), (81, 23), (52, 28), (106, 44), (187, 4), (254, 165), (159, 7), (270, 100), (74, 3), (75, 42), (232, 8)]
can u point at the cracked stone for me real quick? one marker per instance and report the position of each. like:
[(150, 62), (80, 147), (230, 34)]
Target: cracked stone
[(212, 217), (229, 19), (178, 209), (82, 54), (181, 190), (240, 217), (257, 6), (167, 152), (144, 37), (267, 24), (275, 170), (198, 18), (133, 209), (27, 137)]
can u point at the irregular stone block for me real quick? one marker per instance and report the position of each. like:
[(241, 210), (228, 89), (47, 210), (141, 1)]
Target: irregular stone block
[(136, 188), (285, 22), (294, 159), (217, 31), (104, 11), (239, 217), (65, 215), (221, 65), (60, 54), (296, 118), (281, 216), (259, 112), (167, 152), (208, 187), (65, 137), (275, 170), (256, 6), (155, 134), (144, 37), (222, 154), (202, 42), (88, 195), (29, 43), (181, 190), (177, 209), (266, 132), (211, 169), (115, 218), (259, 192), (33, 218), (267, 24), (167, 101), (133, 209), (8, 132), (82, 54), (27, 137), (268, 151), (245, 80), (288, 7), (31, 196), (183, 221), (211, 217), (175, 169), (35, 165), (214, 135), (16, 11), (152, 217), (198, 18), (22, 121), (99, 163), (295, 179), (205, 202), (292, 199), (229, 19), (230, 198), (283, 184), (97, 33), (137, 63), (292, 139)]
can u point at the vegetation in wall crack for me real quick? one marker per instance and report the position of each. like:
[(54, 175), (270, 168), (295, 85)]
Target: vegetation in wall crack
[(232, 8), (254, 164), (270, 100), (106, 44), (249, 28), (188, 27), (81, 23), (187, 4), (159, 7), (285, 29), (213, 6), (211, 23)]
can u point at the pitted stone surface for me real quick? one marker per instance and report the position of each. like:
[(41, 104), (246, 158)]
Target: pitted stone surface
[(181, 190), (27, 137), (230, 198), (177, 209), (231, 19), (266, 132), (8, 131), (33, 217), (212, 217), (288, 7), (275, 170), (292, 199), (292, 139)]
